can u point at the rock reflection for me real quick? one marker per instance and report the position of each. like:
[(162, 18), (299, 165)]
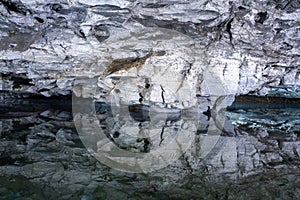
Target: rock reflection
[(139, 132), (137, 138), (41, 149), (144, 138)]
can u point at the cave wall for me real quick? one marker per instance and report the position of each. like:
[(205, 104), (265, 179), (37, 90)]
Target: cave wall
[(251, 46)]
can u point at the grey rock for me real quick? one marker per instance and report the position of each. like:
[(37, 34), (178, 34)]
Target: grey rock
[(92, 48), (251, 47)]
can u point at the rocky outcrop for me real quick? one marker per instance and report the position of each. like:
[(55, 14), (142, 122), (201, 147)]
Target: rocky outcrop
[(252, 47)]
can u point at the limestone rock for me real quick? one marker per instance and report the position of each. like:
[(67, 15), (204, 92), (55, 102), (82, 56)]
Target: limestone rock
[(251, 47)]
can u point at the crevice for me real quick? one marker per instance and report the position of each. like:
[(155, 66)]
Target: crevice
[(16, 6), (162, 133), (162, 94), (207, 113), (80, 33), (155, 5), (222, 162), (18, 80), (147, 83), (56, 7), (228, 30), (224, 69), (186, 28), (261, 17), (141, 98), (40, 20), (185, 73)]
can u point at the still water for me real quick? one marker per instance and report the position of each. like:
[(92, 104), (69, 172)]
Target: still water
[(255, 156)]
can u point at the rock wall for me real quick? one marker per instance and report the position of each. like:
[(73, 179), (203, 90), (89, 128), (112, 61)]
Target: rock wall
[(252, 47)]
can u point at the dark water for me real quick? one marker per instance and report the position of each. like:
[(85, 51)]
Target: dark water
[(257, 156)]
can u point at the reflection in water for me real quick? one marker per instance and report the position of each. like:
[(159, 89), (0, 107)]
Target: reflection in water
[(139, 132), (141, 138), (137, 138), (42, 155)]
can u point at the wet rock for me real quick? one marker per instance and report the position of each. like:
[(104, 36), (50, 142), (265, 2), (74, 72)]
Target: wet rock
[(285, 120)]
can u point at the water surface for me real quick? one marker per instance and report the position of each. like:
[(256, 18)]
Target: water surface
[(42, 156)]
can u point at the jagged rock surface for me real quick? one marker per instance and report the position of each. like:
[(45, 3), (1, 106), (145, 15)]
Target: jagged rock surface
[(252, 47), (53, 47)]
